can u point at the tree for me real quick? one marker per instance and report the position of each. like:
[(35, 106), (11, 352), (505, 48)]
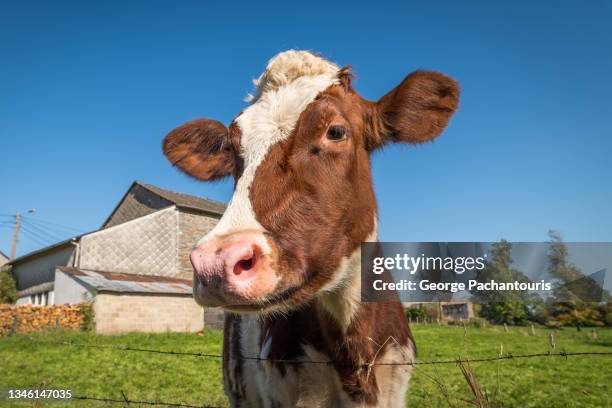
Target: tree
[(503, 306), (566, 308), (8, 289), (559, 268)]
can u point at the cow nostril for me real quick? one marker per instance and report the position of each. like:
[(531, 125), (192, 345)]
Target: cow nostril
[(243, 265)]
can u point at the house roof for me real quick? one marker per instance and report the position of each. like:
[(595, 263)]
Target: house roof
[(3, 255), (186, 200), (179, 199), (128, 283), (42, 251)]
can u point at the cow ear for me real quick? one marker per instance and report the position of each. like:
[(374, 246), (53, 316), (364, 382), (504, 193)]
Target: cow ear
[(201, 149), (415, 111)]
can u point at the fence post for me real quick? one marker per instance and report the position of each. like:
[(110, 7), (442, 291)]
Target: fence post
[(15, 324), (551, 340)]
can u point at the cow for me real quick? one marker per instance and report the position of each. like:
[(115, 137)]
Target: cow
[(284, 259)]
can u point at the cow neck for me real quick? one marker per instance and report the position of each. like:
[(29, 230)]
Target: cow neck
[(341, 298)]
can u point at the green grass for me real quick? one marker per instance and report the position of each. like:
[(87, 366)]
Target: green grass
[(105, 373), (535, 382), (532, 382)]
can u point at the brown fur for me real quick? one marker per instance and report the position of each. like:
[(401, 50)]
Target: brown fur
[(304, 194), (201, 149)]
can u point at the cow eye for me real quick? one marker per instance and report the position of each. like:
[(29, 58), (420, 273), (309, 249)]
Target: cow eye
[(336, 133)]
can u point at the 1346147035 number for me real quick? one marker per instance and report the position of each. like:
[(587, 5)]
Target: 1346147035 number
[(34, 394)]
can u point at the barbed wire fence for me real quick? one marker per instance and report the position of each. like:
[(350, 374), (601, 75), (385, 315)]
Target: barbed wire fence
[(457, 361)]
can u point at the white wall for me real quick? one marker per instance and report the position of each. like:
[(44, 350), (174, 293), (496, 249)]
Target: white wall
[(23, 301), (147, 245), (69, 291)]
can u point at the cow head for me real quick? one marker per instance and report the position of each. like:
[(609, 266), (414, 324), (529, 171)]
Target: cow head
[(303, 198)]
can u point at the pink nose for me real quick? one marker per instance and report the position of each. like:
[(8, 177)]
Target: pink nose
[(233, 259)]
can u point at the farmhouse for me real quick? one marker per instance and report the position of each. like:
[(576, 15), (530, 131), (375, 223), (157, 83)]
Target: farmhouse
[(136, 266), (445, 310)]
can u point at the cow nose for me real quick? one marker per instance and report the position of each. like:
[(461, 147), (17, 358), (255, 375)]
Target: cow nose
[(233, 259)]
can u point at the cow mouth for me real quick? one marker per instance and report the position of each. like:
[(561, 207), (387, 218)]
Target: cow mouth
[(243, 285), (278, 300), (221, 294)]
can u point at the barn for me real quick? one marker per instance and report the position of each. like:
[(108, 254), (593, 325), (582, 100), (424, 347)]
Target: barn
[(135, 268)]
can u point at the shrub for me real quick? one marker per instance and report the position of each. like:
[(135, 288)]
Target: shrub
[(471, 322), (415, 313), (422, 312), (8, 289), (88, 323), (578, 314)]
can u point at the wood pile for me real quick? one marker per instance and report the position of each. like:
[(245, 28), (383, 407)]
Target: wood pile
[(30, 318)]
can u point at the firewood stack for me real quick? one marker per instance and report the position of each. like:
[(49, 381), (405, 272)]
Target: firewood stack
[(30, 318)]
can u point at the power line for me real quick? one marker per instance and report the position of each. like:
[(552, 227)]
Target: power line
[(39, 240), (36, 240), (52, 225), (41, 231), (16, 230), (33, 234)]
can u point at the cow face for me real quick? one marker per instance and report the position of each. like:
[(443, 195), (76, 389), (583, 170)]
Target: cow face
[(303, 198)]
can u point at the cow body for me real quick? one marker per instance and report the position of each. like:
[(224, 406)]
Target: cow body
[(284, 259), (303, 340)]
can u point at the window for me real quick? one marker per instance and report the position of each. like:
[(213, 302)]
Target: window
[(42, 299)]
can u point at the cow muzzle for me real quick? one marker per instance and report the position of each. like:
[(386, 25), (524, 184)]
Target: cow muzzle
[(233, 271)]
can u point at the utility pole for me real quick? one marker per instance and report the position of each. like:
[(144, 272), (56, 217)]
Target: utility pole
[(15, 235)]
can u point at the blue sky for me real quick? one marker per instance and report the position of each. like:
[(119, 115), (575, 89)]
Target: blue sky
[(87, 92)]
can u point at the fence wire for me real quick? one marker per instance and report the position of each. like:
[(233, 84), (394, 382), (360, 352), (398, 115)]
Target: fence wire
[(507, 356), (127, 401)]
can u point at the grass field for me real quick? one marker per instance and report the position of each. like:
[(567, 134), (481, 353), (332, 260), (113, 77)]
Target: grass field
[(535, 382)]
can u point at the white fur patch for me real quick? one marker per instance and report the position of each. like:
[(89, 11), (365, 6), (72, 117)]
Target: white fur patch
[(341, 296), (292, 80)]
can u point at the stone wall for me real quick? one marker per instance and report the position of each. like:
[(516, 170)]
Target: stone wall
[(192, 227), (122, 313)]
